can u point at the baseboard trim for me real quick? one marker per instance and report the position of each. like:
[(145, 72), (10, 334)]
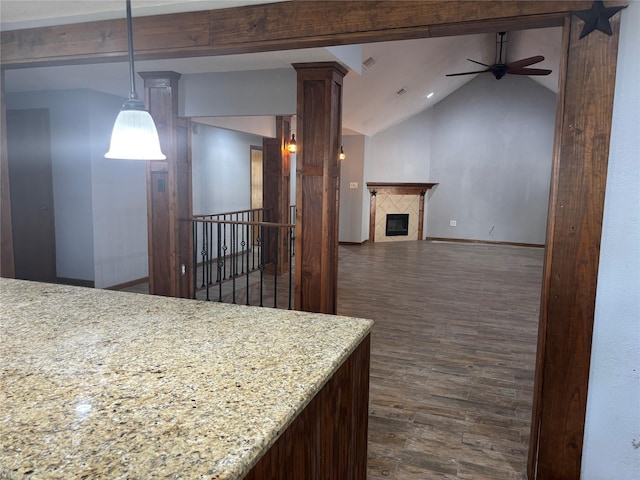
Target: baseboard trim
[(353, 243), (128, 284), (76, 282), (486, 242)]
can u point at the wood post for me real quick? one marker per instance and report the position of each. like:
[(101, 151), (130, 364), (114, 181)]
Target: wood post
[(319, 125), (169, 196), (276, 196), (581, 152)]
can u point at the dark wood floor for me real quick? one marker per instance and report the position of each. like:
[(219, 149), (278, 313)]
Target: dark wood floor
[(452, 355)]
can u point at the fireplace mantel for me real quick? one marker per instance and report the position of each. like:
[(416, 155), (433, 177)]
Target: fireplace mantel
[(399, 188), (376, 188)]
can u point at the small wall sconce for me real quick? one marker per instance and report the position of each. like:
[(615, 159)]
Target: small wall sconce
[(341, 155), (292, 147)]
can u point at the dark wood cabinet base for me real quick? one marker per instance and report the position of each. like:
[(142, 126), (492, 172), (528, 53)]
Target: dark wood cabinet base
[(329, 437)]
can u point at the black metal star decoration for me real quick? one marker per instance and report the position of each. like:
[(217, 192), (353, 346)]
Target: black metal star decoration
[(597, 18)]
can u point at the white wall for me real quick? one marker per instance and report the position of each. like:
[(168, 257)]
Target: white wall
[(611, 449), (71, 172), (119, 199), (491, 152)]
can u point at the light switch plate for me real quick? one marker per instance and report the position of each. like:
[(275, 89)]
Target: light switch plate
[(353, 184)]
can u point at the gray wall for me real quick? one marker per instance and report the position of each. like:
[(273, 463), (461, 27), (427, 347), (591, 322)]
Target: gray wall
[(99, 205), (221, 170), (250, 92), (71, 171), (491, 154), (351, 205), (489, 147), (612, 423), (221, 167), (119, 192), (402, 153)]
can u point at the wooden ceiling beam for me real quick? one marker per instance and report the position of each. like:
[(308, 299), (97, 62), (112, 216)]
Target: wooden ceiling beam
[(273, 26)]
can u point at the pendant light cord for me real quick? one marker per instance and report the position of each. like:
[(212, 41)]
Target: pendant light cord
[(132, 72)]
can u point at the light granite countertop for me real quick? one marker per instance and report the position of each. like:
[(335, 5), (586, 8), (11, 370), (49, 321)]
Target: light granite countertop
[(103, 384)]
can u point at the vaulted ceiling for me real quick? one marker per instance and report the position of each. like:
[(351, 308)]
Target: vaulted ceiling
[(392, 87)]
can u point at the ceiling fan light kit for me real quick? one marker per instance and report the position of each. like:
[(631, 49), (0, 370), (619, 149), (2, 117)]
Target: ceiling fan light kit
[(500, 68)]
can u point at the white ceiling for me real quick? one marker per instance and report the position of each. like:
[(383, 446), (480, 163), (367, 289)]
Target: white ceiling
[(370, 100)]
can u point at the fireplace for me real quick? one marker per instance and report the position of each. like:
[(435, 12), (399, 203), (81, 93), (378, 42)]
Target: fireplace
[(400, 211), (397, 225)]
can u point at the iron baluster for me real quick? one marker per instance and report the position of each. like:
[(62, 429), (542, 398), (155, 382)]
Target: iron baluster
[(261, 264), (275, 270), (291, 236), (220, 265), (232, 265), (247, 257), (194, 242)]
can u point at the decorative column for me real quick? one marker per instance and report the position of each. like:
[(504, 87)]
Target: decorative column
[(169, 197), (276, 196), (319, 125)]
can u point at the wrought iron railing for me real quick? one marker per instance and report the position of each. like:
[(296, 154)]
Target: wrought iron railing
[(241, 258)]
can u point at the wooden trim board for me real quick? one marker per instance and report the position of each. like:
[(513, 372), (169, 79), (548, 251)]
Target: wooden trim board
[(486, 242)]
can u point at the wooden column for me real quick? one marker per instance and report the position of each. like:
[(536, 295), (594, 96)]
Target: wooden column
[(6, 235), (276, 196), (319, 125), (169, 197), (581, 152)]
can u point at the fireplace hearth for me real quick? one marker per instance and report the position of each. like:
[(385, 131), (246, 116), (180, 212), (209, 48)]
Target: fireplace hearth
[(397, 224)]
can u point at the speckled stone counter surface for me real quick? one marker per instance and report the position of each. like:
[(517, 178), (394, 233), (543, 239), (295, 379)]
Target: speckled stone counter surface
[(102, 384)]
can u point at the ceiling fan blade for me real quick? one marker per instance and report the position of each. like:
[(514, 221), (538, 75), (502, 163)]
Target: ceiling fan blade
[(525, 62), (529, 71), (479, 63), (465, 73)]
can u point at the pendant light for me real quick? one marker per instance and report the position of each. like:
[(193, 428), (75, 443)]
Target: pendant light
[(134, 135), (341, 155)]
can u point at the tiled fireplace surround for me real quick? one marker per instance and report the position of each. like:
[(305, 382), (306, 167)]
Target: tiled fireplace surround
[(397, 198)]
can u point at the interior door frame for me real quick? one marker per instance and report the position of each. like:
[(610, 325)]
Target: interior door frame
[(583, 124), (260, 216)]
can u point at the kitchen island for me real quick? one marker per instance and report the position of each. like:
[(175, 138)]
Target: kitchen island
[(103, 384)]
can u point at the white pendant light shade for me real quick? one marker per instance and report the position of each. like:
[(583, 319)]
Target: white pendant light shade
[(134, 136)]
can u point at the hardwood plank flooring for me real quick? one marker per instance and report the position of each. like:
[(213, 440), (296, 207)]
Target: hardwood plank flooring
[(452, 355)]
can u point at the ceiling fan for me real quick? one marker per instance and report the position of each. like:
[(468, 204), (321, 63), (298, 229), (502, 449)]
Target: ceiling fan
[(501, 68)]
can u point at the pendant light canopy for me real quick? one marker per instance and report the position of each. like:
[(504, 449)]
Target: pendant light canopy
[(134, 135)]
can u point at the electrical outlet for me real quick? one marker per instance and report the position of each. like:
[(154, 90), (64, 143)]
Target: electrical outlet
[(353, 184), (452, 223)]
